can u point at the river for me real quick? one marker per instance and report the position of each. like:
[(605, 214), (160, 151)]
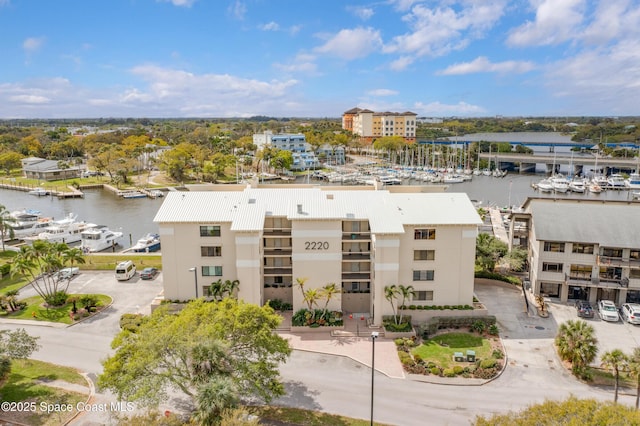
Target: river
[(134, 217)]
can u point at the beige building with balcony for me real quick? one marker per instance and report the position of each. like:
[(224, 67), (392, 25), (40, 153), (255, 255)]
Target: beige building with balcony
[(360, 239), (581, 249)]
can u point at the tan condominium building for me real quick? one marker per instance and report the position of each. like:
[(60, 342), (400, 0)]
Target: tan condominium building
[(581, 249), (370, 125), (362, 240)]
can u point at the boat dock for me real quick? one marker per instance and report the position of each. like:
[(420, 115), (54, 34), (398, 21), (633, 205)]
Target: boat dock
[(70, 193), (497, 223)]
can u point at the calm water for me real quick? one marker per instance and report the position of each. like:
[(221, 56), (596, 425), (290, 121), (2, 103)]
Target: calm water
[(134, 217)]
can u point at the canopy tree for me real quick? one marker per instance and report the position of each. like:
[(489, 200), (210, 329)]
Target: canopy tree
[(17, 344), (41, 263), (208, 350)]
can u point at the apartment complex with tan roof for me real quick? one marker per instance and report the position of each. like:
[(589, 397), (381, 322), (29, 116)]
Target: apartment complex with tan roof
[(370, 125)]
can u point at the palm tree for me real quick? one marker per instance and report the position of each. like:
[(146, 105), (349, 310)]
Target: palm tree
[(5, 224), (213, 397), (634, 371), (311, 298), (391, 294), (576, 343), (216, 289), (615, 360), (230, 287), (329, 291), (407, 293)]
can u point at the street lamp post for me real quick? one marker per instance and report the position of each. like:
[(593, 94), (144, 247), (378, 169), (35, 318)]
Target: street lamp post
[(374, 336), (195, 275)]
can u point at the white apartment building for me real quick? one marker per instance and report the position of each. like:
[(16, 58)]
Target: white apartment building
[(581, 249), (303, 155), (360, 239)]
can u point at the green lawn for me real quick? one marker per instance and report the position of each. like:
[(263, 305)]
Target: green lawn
[(108, 262), (9, 283), (27, 382), (57, 314), (440, 349)]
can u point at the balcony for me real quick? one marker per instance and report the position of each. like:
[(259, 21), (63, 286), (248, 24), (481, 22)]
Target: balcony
[(276, 232), (277, 251), (356, 276), (356, 236), (358, 255), (277, 270)]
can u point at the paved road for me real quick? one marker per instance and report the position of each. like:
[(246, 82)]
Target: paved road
[(340, 385)]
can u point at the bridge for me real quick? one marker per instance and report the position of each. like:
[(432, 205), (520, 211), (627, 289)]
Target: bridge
[(528, 162)]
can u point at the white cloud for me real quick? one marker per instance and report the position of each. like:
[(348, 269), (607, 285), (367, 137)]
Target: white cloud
[(613, 19), (270, 26), (29, 99), (403, 5), (32, 44), (303, 62), (438, 31), (556, 21), (382, 92), (352, 44), (181, 3), (401, 63), (237, 10), (295, 29), (439, 109), (482, 64), (599, 82), (362, 12)]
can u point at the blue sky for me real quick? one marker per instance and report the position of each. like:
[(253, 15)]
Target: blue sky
[(318, 58)]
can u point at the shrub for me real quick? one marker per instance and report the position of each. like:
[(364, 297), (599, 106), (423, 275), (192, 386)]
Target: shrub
[(417, 358), (412, 307), (485, 373), (417, 369), (130, 322), (493, 330), (448, 372), (435, 371), (488, 363), (458, 369), (405, 358), (397, 328), (5, 367), (5, 269), (478, 326), (89, 301), (497, 354), (399, 342), (58, 298)]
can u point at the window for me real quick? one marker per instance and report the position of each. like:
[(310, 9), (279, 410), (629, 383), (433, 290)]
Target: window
[(612, 252), (209, 231), (634, 254), (209, 251), (424, 234), (212, 271), (552, 267), (581, 271), (424, 254), (634, 273), (582, 248), (554, 247), (423, 275), (422, 295)]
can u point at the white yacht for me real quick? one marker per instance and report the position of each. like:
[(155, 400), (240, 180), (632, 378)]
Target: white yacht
[(99, 238), (148, 243), (559, 183), (615, 181), (67, 231), (634, 181), (577, 185), (28, 222), (544, 185)]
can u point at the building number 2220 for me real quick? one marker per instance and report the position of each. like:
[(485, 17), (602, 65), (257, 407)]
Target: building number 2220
[(316, 245)]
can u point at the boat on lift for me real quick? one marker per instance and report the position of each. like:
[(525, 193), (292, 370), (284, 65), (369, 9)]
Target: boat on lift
[(146, 244)]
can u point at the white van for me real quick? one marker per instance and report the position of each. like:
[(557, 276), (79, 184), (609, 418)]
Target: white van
[(125, 270)]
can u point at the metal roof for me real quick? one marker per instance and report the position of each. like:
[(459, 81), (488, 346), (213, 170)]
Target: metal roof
[(606, 224), (386, 212)]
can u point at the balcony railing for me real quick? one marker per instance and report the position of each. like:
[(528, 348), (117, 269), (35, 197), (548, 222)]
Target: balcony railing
[(279, 251), (276, 232), (278, 270), (355, 236), (356, 276), (357, 255)]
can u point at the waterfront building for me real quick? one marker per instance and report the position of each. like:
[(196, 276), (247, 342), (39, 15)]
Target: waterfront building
[(360, 239), (580, 249), (370, 125), (303, 156), (42, 169)]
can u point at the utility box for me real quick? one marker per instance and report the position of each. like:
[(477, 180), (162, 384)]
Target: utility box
[(458, 357), (471, 356)]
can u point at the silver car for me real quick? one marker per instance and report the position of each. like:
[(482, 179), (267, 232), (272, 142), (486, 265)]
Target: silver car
[(631, 313), (608, 311)]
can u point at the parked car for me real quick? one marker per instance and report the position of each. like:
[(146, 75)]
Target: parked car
[(631, 313), (608, 311), (148, 273), (584, 309), (67, 273)]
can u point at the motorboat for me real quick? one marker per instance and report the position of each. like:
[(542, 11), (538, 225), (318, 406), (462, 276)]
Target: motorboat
[(99, 238), (27, 222), (156, 193), (146, 244), (39, 192), (66, 230), (390, 180), (633, 182), (616, 181), (559, 184), (577, 185), (452, 178), (595, 187), (545, 185), (133, 194)]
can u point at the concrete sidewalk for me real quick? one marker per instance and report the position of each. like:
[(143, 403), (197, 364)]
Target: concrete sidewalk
[(357, 348)]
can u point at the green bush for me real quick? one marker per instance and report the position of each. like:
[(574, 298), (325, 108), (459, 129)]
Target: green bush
[(89, 301), (488, 363), (130, 322), (499, 277), (448, 372), (493, 330), (485, 373), (397, 328), (417, 358), (405, 358), (5, 269), (458, 369), (58, 298), (478, 326), (497, 354), (280, 305), (5, 367), (435, 371)]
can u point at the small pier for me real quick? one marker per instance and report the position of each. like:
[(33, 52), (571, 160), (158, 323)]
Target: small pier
[(70, 193)]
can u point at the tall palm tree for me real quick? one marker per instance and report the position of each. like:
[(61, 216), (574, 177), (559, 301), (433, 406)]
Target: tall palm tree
[(5, 224), (311, 298), (407, 293), (615, 360), (634, 371), (391, 294), (229, 287), (213, 397), (576, 343)]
